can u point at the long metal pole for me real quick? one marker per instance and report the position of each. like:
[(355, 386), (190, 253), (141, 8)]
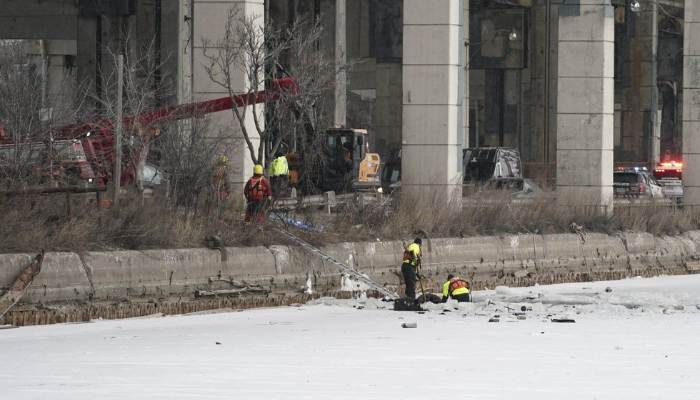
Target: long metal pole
[(118, 132), (653, 120), (546, 81)]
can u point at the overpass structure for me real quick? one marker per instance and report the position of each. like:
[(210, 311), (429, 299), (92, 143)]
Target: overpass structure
[(576, 85)]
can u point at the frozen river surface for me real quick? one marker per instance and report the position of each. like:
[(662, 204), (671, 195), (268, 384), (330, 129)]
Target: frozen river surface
[(639, 340)]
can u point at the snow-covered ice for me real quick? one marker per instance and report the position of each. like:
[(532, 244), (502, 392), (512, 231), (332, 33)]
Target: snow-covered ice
[(639, 340)]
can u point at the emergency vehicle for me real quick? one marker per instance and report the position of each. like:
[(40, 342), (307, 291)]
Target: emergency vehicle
[(669, 174)]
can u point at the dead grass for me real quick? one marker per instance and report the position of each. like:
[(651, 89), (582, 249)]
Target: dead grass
[(497, 215), (28, 225)]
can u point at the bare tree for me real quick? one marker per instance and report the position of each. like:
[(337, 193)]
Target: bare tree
[(260, 55), (141, 93), (186, 152), (28, 113)]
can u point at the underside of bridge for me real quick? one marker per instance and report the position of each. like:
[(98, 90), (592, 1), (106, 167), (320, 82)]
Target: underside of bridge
[(615, 68)]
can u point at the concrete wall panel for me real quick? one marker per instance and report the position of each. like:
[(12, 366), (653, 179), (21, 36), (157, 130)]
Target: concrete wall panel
[(282, 269), (434, 12), (691, 160), (434, 162), (427, 45), (570, 162), (430, 85), (586, 26), (425, 120), (62, 277), (588, 59), (571, 132), (585, 96), (639, 242)]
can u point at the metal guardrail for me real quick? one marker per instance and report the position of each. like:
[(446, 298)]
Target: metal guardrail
[(69, 191), (328, 200)]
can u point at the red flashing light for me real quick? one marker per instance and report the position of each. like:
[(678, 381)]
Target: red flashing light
[(672, 164), (659, 170)]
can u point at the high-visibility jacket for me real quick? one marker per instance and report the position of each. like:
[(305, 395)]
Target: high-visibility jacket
[(455, 286), (279, 166), (412, 254), (257, 188)]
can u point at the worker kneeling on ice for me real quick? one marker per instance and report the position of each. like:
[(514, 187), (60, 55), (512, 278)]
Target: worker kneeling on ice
[(456, 288)]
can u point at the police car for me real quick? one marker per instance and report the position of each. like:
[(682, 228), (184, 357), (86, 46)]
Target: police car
[(636, 183)]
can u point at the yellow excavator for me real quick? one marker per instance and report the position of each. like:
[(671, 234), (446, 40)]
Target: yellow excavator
[(348, 163)]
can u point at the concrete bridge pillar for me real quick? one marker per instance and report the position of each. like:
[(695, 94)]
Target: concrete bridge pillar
[(465, 72), (691, 105), (209, 19), (433, 58), (585, 105)]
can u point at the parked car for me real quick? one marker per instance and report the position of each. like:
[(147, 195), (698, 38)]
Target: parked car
[(514, 187), (636, 183), (152, 176)]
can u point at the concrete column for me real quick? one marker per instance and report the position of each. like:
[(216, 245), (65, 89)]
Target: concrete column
[(87, 52), (465, 85), (333, 21), (639, 93), (387, 123), (585, 105), (208, 20), (432, 96), (341, 97), (691, 105), (386, 46)]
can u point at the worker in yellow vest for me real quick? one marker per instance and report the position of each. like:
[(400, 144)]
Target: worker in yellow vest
[(412, 257), (279, 171), (456, 288)]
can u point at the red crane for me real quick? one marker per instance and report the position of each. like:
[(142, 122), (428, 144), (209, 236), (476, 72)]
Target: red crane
[(88, 148)]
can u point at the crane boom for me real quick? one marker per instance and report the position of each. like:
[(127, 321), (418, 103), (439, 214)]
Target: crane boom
[(91, 143)]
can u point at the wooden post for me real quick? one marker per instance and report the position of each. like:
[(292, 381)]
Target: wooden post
[(117, 175), (69, 204), (98, 196)]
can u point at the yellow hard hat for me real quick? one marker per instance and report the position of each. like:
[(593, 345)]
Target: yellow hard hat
[(223, 159), (257, 169)]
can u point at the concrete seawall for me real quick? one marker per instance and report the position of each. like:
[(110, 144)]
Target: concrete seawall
[(78, 287)]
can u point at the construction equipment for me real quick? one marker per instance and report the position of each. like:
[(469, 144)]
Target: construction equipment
[(349, 163), (354, 274), (86, 150)]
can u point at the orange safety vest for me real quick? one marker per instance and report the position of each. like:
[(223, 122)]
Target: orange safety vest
[(457, 283), (257, 188), (409, 256)]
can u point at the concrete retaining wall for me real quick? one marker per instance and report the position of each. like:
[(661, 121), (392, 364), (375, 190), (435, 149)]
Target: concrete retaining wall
[(160, 275)]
